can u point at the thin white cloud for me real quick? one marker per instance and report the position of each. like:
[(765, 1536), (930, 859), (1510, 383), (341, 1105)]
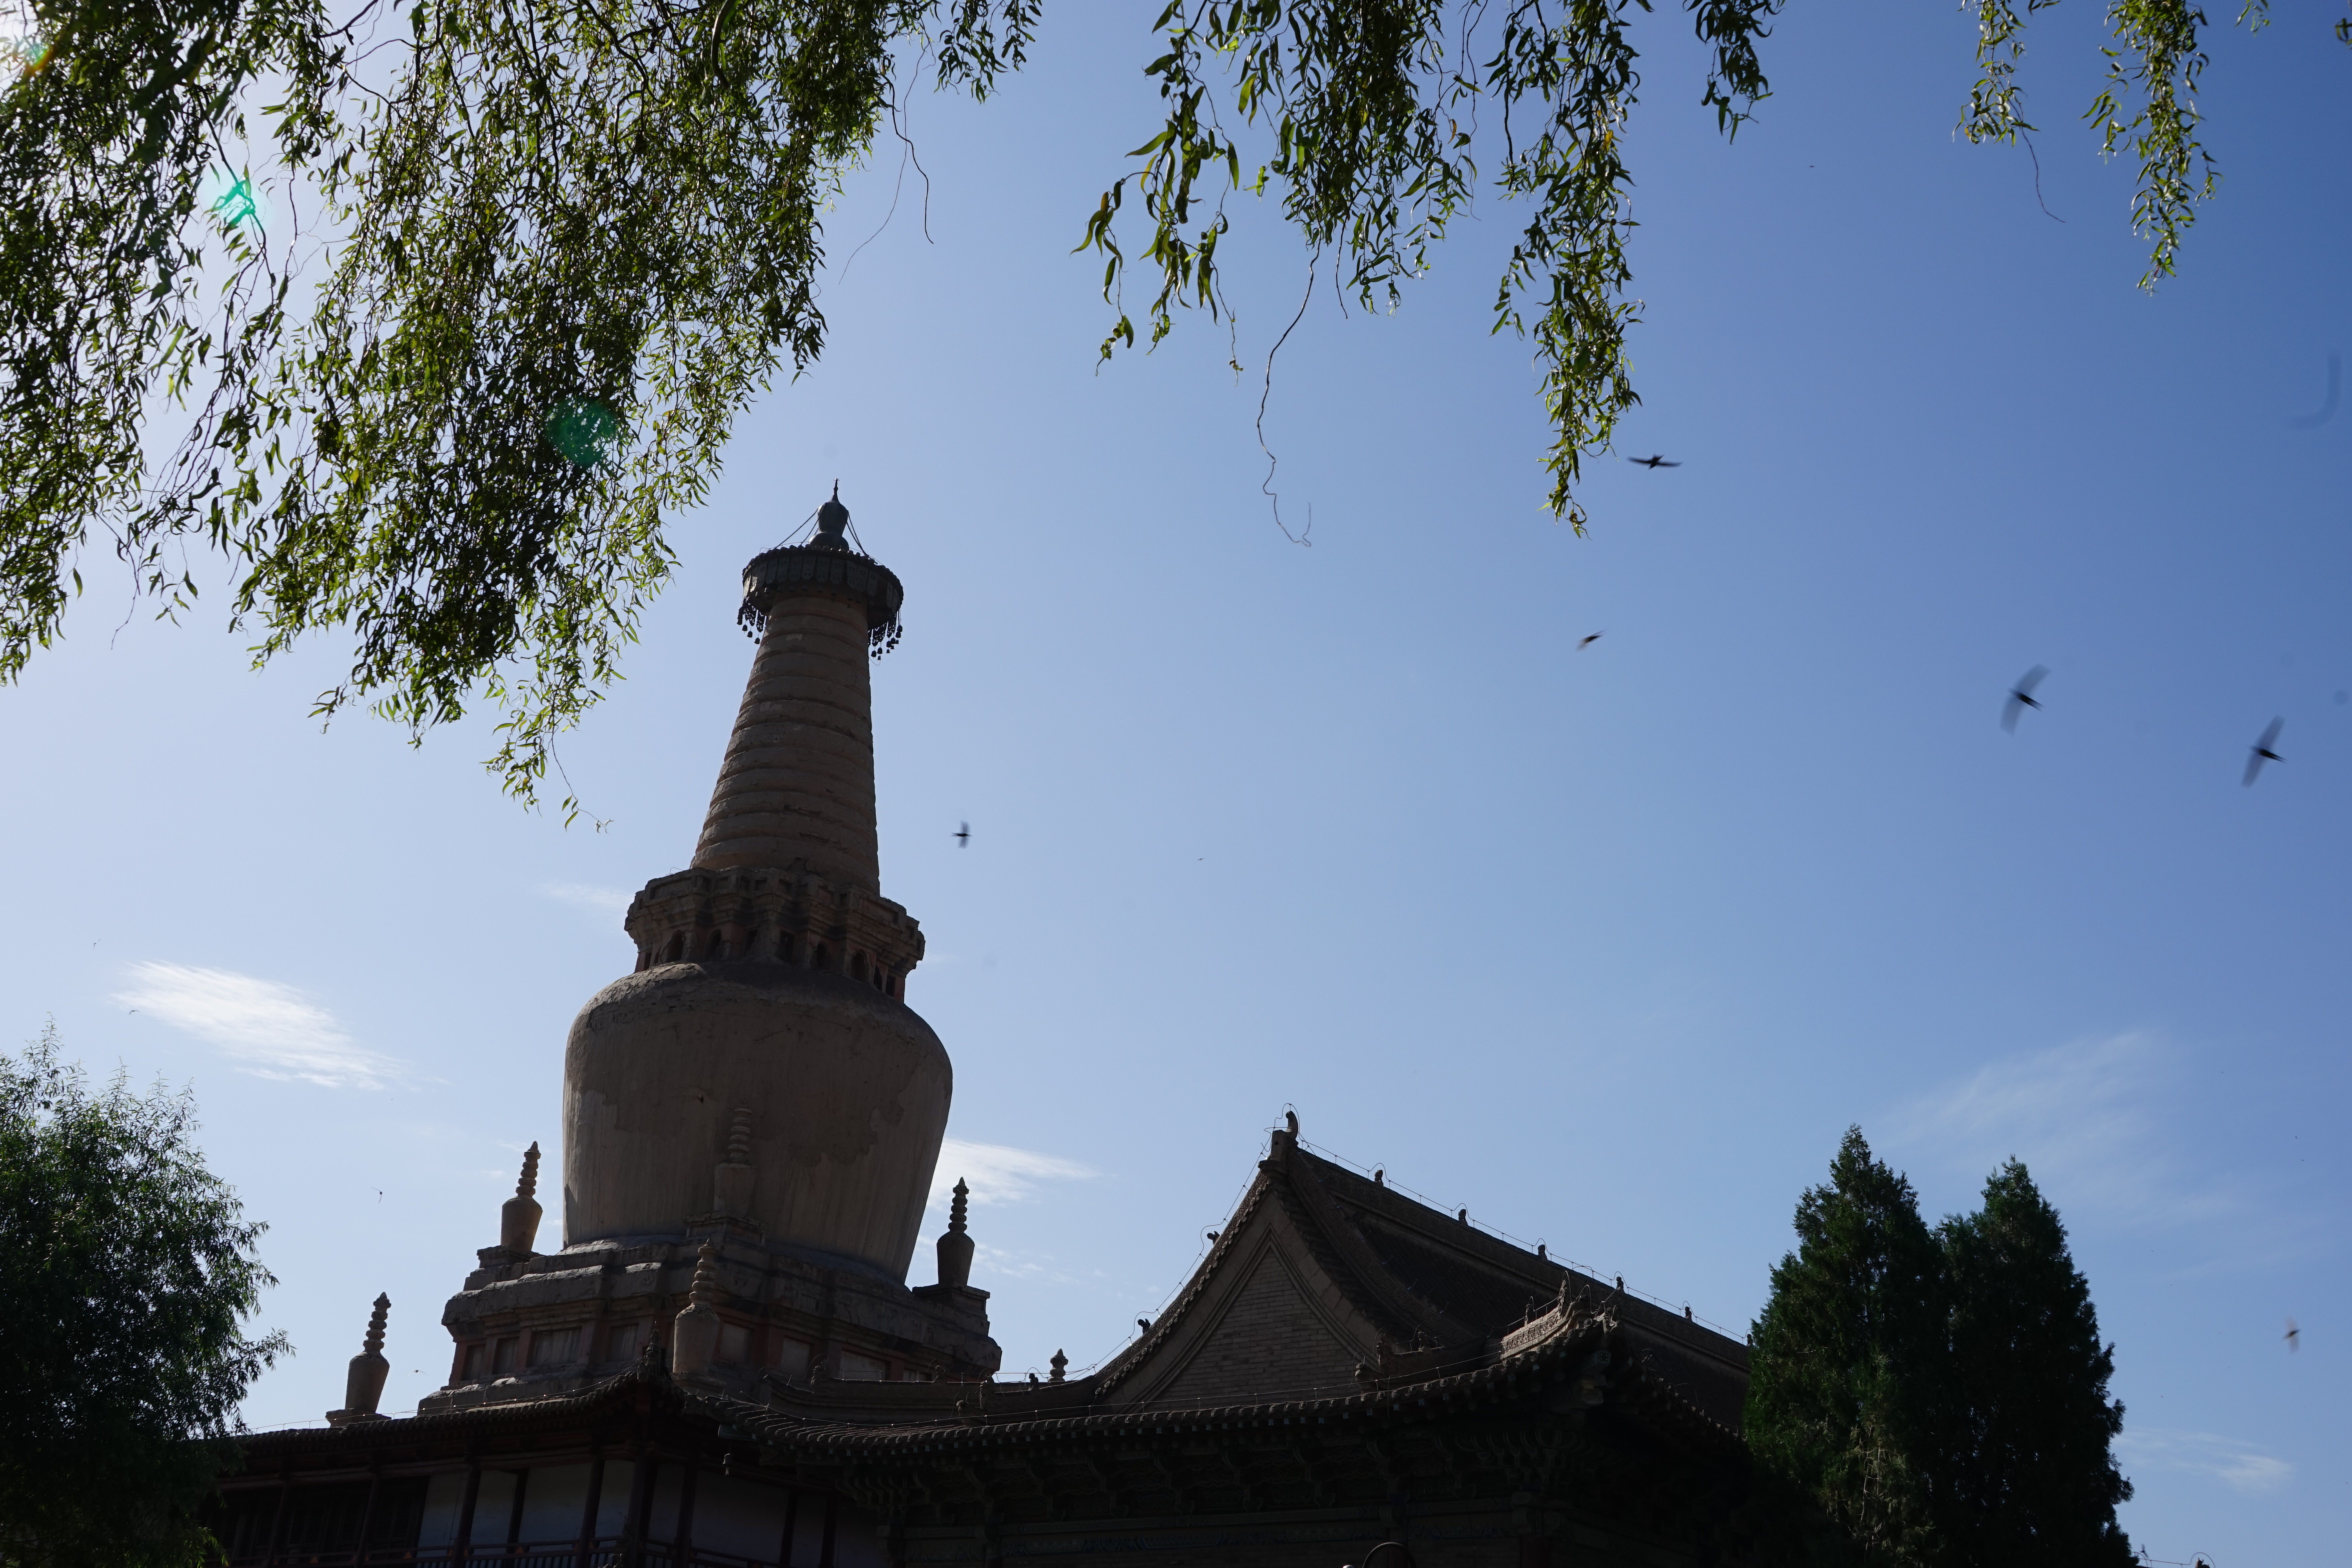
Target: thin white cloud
[(264, 1028), (2085, 1101), (603, 901), (2240, 1466), (997, 1174), (2085, 1117), (1038, 1266), (2106, 1125)]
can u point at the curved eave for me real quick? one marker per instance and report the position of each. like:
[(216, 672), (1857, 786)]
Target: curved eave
[(640, 1391), (1655, 1405)]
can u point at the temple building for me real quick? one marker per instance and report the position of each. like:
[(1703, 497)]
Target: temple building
[(721, 1362)]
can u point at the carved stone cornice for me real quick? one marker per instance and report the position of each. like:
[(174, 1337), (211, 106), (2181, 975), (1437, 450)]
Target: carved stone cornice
[(789, 913)]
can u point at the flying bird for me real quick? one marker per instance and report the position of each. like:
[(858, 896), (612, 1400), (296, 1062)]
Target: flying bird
[(1587, 642), (2020, 697), (1654, 461), (2294, 1337), (2260, 752), (963, 837)]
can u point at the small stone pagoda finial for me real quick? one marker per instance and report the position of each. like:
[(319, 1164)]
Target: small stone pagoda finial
[(704, 1289), (730, 1187), (1061, 1368), (363, 1383), (694, 1337), (955, 1246), (518, 1220)]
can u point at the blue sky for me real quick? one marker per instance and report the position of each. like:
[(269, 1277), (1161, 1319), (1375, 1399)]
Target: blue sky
[(1609, 945)]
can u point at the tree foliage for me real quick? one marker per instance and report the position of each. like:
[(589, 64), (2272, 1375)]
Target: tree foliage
[(547, 250), (1845, 1373), (1941, 1396), (2030, 1480), (126, 1273)]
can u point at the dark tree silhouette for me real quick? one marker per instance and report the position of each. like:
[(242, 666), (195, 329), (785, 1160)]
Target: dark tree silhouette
[(2030, 1477), (1844, 1389), (127, 1274), (1940, 1400)]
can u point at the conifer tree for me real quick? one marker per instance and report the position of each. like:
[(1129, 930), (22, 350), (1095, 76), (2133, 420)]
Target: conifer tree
[(1843, 1395), (2026, 1477)]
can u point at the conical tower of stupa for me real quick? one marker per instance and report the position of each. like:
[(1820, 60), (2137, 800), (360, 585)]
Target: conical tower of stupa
[(771, 974)]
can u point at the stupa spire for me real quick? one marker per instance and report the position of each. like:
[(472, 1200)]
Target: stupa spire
[(694, 1336), (797, 785), (761, 1061), (364, 1380), (518, 1218), (956, 1246)]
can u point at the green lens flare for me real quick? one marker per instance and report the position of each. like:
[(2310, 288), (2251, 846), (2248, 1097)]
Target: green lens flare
[(586, 433), (237, 206)]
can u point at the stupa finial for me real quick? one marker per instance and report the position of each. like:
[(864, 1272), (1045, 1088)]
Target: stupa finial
[(956, 1246), (731, 1186), (518, 1218), (832, 521), (364, 1380), (703, 1292), (694, 1336)]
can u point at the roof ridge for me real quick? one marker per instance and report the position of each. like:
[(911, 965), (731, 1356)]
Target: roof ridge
[(1358, 1264), (1208, 1269), (1655, 1399)]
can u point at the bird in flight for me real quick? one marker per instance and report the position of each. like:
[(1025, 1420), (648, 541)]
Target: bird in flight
[(963, 837), (2260, 752), (2294, 1337), (2020, 697), (1654, 461), (1587, 642)]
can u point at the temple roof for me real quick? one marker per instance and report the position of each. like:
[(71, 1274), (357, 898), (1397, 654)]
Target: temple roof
[(1324, 1280), (1575, 1356)]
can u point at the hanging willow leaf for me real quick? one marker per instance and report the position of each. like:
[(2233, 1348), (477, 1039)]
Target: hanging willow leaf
[(554, 247)]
